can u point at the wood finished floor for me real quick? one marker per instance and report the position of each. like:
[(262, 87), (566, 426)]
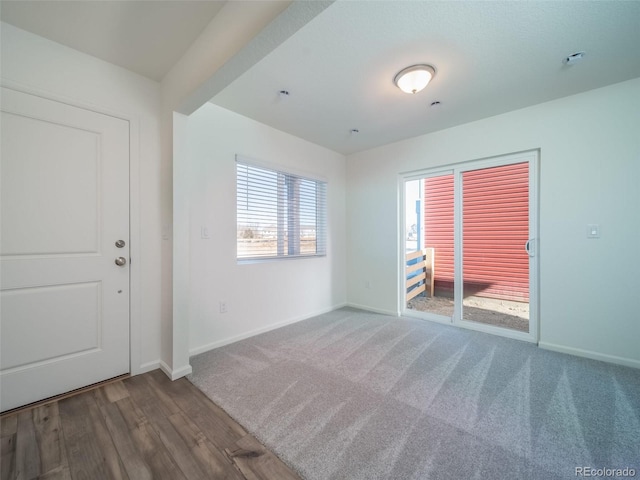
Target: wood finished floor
[(143, 427)]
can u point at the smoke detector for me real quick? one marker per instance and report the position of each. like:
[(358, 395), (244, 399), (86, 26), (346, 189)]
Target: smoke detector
[(574, 58)]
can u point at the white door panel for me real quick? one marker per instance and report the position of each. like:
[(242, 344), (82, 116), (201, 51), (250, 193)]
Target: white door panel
[(64, 303), (66, 218)]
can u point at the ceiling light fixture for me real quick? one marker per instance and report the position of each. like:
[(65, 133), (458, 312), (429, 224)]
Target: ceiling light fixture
[(415, 78)]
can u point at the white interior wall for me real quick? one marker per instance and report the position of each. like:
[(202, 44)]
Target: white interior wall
[(60, 72), (589, 171), (43, 67), (237, 37), (259, 296)]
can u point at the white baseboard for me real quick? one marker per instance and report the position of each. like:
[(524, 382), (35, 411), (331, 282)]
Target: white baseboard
[(627, 362), (146, 367), (374, 310), (159, 364), (177, 373), (258, 331)]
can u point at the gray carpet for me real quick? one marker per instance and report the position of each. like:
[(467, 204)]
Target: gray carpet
[(356, 395)]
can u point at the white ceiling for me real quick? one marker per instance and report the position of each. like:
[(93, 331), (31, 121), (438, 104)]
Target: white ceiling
[(490, 58), (147, 37)]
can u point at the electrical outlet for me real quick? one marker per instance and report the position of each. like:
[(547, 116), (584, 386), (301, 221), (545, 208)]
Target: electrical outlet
[(223, 307)]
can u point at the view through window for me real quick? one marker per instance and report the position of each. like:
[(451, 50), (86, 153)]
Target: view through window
[(279, 214)]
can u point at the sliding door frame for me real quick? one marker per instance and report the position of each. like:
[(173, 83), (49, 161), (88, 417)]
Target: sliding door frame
[(533, 158)]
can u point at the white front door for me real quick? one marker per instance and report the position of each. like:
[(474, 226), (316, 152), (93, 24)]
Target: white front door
[(64, 306)]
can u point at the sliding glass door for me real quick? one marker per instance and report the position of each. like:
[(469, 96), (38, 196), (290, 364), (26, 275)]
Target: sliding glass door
[(470, 236), (429, 244)]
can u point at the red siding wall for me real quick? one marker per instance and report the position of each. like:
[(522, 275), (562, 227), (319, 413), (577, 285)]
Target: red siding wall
[(495, 204), (495, 229), (438, 227)]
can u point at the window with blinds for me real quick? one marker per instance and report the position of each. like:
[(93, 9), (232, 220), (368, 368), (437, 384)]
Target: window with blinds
[(279, 215)]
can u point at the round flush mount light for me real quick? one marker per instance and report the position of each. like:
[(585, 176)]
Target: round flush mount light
[(415, 78)]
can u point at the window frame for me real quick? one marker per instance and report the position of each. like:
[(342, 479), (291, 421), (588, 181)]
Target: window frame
[(287, 212)]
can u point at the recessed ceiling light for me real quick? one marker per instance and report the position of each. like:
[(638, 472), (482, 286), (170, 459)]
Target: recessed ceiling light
[(574, 58), (415, 78)]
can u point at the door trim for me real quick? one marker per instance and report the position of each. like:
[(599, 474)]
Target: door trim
[(135, 337)]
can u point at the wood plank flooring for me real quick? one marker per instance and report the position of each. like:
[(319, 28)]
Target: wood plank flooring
[(142, 427)]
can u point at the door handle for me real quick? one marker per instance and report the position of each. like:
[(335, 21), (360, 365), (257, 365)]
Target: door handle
[(121, 261), (529, 247)]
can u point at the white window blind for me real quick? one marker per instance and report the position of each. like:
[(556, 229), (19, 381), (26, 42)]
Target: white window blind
[(279, 215)]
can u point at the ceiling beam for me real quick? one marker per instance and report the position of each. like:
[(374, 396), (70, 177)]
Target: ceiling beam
[(296, 16)]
